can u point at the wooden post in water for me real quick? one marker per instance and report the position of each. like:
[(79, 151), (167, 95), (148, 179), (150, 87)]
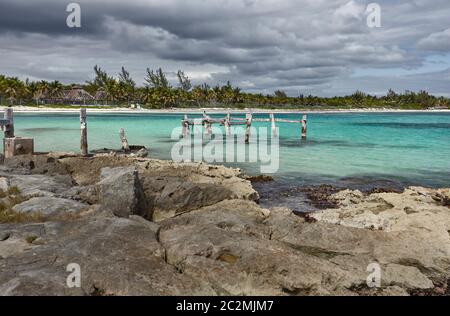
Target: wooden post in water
[(185, 126), (9, 128), (124, 140), (304, 126), (248, 118), (83, 130), (207, 123), (227, 124), (274, 127)]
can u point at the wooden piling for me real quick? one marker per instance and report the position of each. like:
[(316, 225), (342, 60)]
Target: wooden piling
[(227, 124), (274, 126), (83, 130), (9, 128), (185, 126), (304, 126), (248, 121), (124, 140)]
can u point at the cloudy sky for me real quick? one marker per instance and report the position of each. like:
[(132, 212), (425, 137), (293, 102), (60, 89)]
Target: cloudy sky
[(323, 47)]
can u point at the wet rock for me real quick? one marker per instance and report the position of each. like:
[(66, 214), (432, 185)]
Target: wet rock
[(320, 196), (122, 193), (442, 196), (142, 153), (259, 179), (347, 197)]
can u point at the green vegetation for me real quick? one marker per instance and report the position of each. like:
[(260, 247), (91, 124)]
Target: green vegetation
[(158, 93)]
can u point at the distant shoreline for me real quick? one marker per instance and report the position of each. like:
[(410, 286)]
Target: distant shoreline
[(25, 109)]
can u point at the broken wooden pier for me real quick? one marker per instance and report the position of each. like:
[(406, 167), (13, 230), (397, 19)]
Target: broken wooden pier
[(206, 121)]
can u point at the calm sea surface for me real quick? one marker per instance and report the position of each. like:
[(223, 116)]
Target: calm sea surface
[(352, 150)]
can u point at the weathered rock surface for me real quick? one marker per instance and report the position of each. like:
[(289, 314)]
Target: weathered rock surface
[(40, 185), (170, 196), (116, 256), (211, 237), (50, 206), (122, 193)]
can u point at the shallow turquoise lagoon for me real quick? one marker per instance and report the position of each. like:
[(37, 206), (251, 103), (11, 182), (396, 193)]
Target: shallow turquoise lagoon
[(406, 148)]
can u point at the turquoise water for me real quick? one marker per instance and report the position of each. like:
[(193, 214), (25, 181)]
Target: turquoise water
[(406, 148)]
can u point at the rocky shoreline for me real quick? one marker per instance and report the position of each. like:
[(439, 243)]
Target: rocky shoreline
[(138, 226)]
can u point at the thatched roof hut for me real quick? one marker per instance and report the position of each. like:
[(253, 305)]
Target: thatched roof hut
[(77, 95), (100, 95)]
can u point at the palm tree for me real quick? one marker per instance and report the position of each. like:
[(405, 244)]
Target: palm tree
[(55, 88), (2, 88), (126, 86), (43, 88), (111, 91), (13, 89)]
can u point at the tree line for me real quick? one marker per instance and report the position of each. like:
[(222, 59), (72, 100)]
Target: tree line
[(159, 92)]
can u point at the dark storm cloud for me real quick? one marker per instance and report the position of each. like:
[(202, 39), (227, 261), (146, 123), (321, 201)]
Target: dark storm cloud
[(310, 45)]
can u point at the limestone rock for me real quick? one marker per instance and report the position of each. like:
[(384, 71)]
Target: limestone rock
[(213, 239), (86, 194), (171, 196), (117, 256), (4, 184), (405, 277), (40, 185), (50, 206), (122, 193)]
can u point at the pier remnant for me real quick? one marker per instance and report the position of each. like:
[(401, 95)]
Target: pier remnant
[(12, 145), (206, 121), (185, 126), (248, 121), (124, 140), (274, 126), (9, 126), (83, 133), (15, 146), (304, 126), (227, 124)]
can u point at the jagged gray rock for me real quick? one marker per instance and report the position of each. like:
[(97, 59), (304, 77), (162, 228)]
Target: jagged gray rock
[(122, 193)]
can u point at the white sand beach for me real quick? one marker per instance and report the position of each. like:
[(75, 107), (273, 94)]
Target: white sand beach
[(106, 109)]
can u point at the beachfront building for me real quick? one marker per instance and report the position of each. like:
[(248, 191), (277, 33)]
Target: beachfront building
[(76, 95), (101, 97)]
